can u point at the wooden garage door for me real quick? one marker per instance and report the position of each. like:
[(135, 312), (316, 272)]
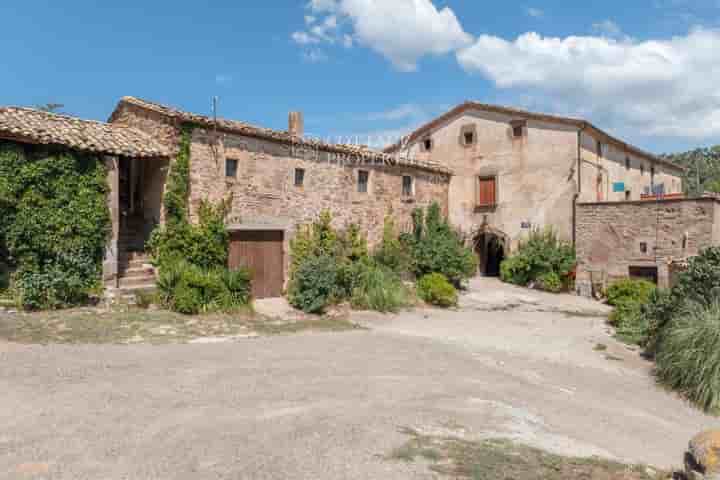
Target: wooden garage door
[(262, 253)]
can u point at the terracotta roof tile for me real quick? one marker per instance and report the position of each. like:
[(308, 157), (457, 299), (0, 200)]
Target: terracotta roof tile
[(361, 153), (38, 127)]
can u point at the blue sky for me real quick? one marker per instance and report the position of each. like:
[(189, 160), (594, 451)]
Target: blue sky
[(645, 70)]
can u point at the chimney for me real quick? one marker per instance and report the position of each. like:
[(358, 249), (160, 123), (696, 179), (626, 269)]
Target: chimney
[(295, 124)]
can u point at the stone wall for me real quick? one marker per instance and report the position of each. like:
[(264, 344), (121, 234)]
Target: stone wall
[(614, 236)]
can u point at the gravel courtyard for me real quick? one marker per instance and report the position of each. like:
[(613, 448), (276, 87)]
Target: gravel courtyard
[(510, 363)]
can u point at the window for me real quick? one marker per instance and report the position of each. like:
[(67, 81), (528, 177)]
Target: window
[(231, 167), (599, 149), (363, 178), (469, 138), (627, 163), (407, 186), (427, 144), (628, 195), (652, 174), (299, 177), (487, 192), (518, 128), (642, 169), (643, 247)]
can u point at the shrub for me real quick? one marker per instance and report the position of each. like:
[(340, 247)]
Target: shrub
[(698, 284), (541, 254), (435, 289), (189, 289), (630, 324), (54, 223), (205, 244), (436, 248), (4, 277), (390, 253), (550, 282), (630, 290), (315, 284), (379, 289), (689, 356)]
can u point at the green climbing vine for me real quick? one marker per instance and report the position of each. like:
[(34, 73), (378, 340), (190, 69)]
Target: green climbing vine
[(54, 223), (204, 244)]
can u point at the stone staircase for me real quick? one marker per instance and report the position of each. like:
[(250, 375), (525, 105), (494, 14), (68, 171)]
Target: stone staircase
[(135, 272)]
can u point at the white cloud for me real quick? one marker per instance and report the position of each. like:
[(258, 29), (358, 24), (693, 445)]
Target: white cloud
[(647, 88), (534, 12), (403, 31), (310, 19), (608, 28)]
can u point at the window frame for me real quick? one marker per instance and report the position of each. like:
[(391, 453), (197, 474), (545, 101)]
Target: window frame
[(301, 177), (425, 142), (360, 174), (411, 192), (479, 180), (236, 163), (518, 126)]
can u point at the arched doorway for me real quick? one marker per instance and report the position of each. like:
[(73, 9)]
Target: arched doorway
[(490, 248)]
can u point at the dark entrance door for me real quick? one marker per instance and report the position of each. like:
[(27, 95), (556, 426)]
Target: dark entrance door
[(262, 252), (491, 252)]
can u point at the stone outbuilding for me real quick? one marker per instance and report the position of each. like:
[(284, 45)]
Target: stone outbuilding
[(277, 180), (649, 239)]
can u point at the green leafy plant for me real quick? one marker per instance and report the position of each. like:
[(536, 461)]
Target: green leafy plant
[(629, 290), (435, 289), (4, 277), (436, 248), (190, 289), (541, 254), (54, 223), (550, 282), (698, 284), (689, 356), (315, 284), (391, 252), (380, 289)]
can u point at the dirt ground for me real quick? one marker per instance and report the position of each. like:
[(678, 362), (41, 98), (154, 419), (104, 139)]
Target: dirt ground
[(527, 367)]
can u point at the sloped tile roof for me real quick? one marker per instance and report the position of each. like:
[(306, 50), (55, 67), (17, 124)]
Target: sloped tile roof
[(38, 127), (523, 114), (362, 153)]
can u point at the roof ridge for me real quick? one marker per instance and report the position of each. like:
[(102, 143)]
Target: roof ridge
[(57, 115)]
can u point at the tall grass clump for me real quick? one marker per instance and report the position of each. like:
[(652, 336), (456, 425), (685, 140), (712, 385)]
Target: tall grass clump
[(379, 289), (688, 359), (629, 297)]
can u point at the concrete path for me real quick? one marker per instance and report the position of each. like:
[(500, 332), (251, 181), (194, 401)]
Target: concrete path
[(328, 406)]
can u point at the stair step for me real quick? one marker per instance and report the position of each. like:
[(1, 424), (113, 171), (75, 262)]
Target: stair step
[(137, 273), (137, 283)]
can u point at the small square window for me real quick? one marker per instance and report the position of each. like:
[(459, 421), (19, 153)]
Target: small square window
[(407, 186), (363, 179), (299, 177), (469, 138), (643, 247), (427, 144), (231, 167), (518, 131)]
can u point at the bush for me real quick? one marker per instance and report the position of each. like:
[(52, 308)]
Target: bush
[(315, 284), (189, 289), (550, 282), (4, 277), (436, 248), (390, 253), (629, 290), (689, 356), (54, 223), (698, 284), (205, 245), (630, 324), (541, 254), (379, 289), (435, 289)]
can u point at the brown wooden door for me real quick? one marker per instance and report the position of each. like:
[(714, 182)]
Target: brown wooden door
[(262, 253), (486, 192)]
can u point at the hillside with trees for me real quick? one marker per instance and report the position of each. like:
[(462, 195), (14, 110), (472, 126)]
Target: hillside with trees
[(703, 169)]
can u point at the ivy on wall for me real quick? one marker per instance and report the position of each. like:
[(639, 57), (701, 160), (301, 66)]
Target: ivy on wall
[(54, 222), (205, 244)]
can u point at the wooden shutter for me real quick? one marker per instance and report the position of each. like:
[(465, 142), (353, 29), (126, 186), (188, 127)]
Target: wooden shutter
[(486, 192)]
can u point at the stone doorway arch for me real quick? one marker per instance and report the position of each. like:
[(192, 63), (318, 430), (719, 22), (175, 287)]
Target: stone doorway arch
[(491, 247)]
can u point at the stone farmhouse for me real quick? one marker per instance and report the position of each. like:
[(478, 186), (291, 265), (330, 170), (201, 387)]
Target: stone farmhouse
[(514, 170), (497, 172)]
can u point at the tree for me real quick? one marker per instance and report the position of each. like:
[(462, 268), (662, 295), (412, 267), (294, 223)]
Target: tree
[(703, 169), (50, 107)]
